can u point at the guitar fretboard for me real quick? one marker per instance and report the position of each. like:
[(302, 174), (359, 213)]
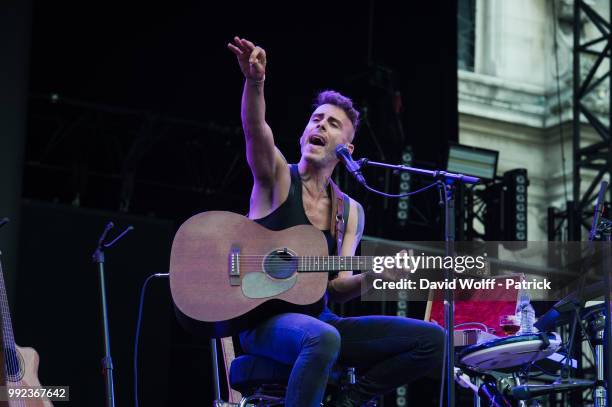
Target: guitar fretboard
[(334, 263), (8, 341)]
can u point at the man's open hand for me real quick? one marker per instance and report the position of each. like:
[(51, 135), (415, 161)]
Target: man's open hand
[(252, 59), (397, 273), (392, 274)]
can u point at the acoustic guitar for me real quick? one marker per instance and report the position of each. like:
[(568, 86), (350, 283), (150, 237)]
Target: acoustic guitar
[(227, 272), (20, 364)]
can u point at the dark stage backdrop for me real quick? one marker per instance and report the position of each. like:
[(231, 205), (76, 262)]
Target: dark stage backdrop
[(171, 67), (58, 308), (147, 121)]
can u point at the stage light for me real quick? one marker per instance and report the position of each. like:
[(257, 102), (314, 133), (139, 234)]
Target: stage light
[(506, 210), (468, 160), (403, 205), (515, 204)]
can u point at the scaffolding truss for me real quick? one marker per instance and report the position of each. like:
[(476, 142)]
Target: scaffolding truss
[(588, 156)]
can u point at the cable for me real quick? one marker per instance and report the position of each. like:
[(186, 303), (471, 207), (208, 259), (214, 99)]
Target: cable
[(142, 292), (400, 195), (566, 368)]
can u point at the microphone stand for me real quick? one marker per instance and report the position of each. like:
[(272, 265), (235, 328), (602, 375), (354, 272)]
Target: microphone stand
[(603, 391), (445, 181), (107, 362)]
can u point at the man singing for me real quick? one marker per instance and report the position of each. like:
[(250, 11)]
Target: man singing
[(387, 351)]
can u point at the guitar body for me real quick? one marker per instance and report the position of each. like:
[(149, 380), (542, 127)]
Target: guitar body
[(27, 377), (19, 366), (209, 300)]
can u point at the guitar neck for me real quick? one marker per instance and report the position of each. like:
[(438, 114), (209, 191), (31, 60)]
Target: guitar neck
[(334, 263), (8, 341)]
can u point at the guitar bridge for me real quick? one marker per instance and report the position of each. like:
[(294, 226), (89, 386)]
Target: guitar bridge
[(234, 266)]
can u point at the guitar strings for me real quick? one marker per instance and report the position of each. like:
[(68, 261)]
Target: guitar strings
[(7, 336), (301, 257), (9, 361), (280, 261), (304, 264), (310, 260)]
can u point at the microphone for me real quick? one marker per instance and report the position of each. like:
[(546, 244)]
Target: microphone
[(344, 155)]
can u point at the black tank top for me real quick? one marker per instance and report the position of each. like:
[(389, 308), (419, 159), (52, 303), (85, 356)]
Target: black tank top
[(291, 212)]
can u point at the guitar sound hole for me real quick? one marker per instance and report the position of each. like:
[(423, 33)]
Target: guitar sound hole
[(280, 264)]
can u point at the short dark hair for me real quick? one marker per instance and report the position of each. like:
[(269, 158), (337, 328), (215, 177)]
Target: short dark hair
[(331, 97)]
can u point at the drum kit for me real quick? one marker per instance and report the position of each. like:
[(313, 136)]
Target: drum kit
[(522, 369), (497, 369)]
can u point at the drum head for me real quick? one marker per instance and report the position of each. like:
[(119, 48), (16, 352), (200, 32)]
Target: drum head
[(508, 352)]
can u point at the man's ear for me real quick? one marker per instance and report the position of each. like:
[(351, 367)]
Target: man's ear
[(350, 147)]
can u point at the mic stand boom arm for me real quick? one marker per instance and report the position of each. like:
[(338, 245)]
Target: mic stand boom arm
[(438, 175)]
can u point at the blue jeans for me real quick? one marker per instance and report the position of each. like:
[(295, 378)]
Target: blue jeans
[(389, 351)]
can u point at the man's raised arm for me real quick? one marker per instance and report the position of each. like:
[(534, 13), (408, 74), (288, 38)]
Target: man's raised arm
[(262, 155)]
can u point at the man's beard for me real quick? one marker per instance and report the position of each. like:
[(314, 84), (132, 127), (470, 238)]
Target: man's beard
[(316, 160)]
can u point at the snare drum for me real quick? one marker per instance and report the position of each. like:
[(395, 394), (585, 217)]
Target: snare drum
[(509, 352)]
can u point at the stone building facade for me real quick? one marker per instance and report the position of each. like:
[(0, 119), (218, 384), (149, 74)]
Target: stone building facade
[(515, 92)]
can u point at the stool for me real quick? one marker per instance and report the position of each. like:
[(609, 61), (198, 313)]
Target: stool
[(265, 380)]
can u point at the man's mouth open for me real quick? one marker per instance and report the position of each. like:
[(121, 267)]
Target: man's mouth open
[(317, 140)]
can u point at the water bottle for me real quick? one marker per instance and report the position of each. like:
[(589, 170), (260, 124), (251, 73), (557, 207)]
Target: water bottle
[(525, 314)]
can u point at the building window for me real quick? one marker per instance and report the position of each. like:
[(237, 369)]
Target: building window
[(466, 24)]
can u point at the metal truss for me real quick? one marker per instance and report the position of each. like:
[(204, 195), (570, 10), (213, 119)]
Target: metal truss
[(471, 210), (588, 156)]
